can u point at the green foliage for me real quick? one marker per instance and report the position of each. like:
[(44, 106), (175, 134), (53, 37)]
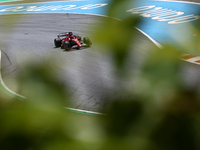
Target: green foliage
[(158, 112)]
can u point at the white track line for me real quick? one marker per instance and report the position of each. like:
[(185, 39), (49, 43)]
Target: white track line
[(5, 87), (178, 1), (191, 60), (13, 94), (84, 111)]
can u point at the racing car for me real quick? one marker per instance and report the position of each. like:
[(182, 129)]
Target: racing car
[(68, 40)]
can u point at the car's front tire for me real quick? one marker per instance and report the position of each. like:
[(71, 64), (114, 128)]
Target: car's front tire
[(57, 42)]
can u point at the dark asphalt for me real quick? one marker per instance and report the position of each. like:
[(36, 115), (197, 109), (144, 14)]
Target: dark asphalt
[(89, 71)]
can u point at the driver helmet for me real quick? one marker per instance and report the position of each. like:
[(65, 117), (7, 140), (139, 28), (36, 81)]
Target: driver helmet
[(70, 33)]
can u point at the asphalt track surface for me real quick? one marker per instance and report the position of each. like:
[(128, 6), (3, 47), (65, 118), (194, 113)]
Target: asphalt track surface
[(89, 71)]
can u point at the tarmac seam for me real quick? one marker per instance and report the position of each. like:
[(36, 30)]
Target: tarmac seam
[(9, 92)]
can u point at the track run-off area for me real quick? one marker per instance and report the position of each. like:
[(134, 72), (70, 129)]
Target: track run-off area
[(164, 21), (89, 71)]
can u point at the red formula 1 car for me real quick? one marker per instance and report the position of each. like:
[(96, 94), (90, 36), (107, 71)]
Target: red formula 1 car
[(69, 41)]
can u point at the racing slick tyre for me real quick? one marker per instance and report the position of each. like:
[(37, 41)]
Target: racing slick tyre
[(57, 42), (67, 45), (87, 41)]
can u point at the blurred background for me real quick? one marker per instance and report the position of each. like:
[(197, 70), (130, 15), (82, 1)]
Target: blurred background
[(148, 97)]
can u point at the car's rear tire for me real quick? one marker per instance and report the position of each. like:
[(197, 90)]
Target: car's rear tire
[(87, 41), (57, 42), (67, 45)]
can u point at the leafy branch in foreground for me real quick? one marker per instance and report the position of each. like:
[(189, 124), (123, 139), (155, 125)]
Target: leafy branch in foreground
[(155, 110)]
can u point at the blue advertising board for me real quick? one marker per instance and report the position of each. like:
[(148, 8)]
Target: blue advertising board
[(164, 22)]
